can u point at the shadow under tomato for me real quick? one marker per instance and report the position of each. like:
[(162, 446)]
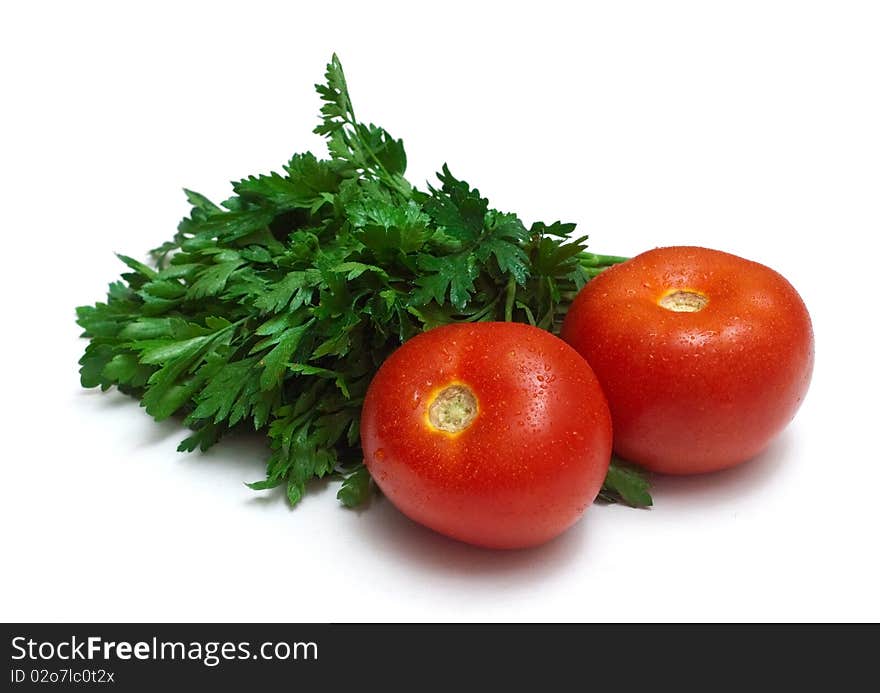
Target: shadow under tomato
[(730, 483), (389, 530)]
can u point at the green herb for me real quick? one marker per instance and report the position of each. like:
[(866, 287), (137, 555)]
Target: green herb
[(625, 483), (272, 310)]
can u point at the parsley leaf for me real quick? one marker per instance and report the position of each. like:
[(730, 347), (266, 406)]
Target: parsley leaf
[(626, 484), (356, 488)]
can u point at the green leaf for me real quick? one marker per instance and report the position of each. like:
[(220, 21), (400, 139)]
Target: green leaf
[(627, 484), (93, 363), (229, 226), (276, 324), (138, 267), (166, 289), (504, 241), (337, 377), (166, 396), (147, 328), (337, 345), (256, 253), (223, 389), (557, 228), (166, 351), (353, 270), (212, 280), (276, 361), (265, 484), (356, 488), (388, 152), (510, 257), (281, 293), (355, 146), (457, 208), (295, 491), (554, 258), (201, 202), (454, 274), (337, 103), (302, 190), (99, 321), (203, 437), (383, 225), (317, 175), (174, 385), (122, 368)]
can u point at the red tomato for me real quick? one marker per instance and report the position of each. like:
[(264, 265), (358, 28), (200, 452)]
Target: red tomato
[(704, 356), (496, 434)]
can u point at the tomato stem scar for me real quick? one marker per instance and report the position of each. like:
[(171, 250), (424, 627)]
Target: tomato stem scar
[(453, 409), (684, 301)]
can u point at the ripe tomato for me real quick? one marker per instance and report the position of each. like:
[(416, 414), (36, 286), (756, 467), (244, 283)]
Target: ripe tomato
[(704, 356), (496, 434)]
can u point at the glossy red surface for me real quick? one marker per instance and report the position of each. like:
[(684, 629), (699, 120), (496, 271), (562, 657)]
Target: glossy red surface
[(694, 391), (531, 461)]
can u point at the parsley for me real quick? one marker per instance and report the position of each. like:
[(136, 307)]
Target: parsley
[(625, 483), (273, 309)]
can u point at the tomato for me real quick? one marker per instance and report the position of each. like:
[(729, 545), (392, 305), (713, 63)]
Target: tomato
[(496, 434), (704, 356)]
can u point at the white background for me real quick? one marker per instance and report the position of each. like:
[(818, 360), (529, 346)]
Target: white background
[(752, 127)]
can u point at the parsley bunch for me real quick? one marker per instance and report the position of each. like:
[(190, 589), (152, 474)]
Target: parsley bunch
[(273, 310)]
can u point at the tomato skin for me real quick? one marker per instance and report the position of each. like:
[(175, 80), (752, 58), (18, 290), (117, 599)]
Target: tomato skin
[(694, 392), (528, 465)]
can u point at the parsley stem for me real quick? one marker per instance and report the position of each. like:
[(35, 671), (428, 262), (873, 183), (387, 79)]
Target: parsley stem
[(593, 272), (489, 309), (594, 260), (511, 297), (357, 142)]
